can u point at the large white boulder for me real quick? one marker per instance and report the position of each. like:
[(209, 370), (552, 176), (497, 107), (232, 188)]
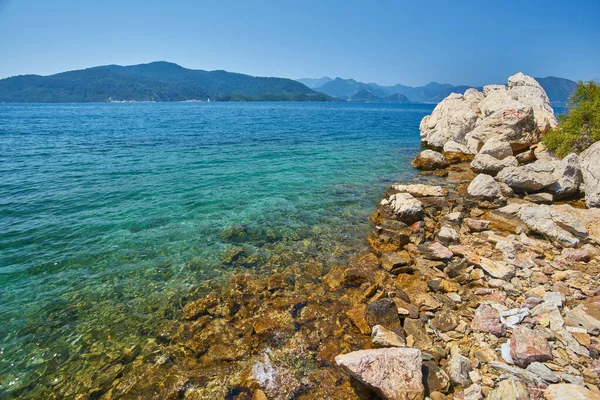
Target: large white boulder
[(403, 207), (590, 168), (515, 114)]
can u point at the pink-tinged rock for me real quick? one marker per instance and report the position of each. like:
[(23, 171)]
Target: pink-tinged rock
[(435, 251), (577, 255), (477, 225), (527, 346), (393, 373), (487, 319), (569, 391)]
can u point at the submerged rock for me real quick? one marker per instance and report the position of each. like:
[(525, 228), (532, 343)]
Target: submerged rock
[(394, 373)]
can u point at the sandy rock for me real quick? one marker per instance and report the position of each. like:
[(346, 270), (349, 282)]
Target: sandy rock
[(509, 389), (487, 319), (527, 346), (585, 315), (404, 207), (419, 190), (577, 255), (435, 378), (430, 160), (477, 225), (382, 337), (473, 392), (486, 164), (394, 373), (590, 169), (392, 260), (568, 391), (540, 198), (445, 321), (497, 269)]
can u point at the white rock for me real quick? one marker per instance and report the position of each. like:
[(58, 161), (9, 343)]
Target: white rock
[(528, 178), (419, 190), (568, 174), (590, 169), (497, 149), (486, 164), (484, 187), (448, 236), (404, 207)]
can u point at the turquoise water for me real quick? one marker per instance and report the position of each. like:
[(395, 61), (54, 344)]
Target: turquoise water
[(111, 213)]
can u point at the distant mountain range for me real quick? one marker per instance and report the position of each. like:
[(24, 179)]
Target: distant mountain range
[(558, 90), (156, 81)]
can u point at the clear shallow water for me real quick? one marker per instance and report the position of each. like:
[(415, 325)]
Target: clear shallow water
[(110, 213)]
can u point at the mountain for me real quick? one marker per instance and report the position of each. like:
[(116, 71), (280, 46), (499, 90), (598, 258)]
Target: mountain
[(558, 90), (156, 81), (314, 82), (367, 96)]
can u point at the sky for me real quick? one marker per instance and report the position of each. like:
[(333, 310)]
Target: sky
[(387, 42)]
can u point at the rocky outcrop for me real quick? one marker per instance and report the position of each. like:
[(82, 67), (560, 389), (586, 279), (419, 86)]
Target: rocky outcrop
[(430, 160), (393, 373), (590, 168), (515, 114)]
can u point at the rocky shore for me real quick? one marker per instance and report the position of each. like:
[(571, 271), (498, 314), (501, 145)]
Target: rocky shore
[(481, 281)]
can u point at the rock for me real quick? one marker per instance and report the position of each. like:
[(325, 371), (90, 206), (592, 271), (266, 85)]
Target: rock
[(382, 312), (357, 316), (585, 315), (419, 190), (473, 392), (486, 164), (555, 222), (509, 389), (382, 337), (416, 329), (524, 375), (448, 235), (497, 269), (393, 260), (354, 277), (515, 115), (477, 225), (569, 177), (577, 255), (458, 368), (528, 178), (512, 318), (487, 319), (393, 373), (590, 169), (485, 188), (569, 391), (445, 321), (540, 198), (543, 372), (497, 149), (435, 251), (436, 380), (456, 153), (443, 285), (430, 160), (404, 207), (526, 157), (527, 346)]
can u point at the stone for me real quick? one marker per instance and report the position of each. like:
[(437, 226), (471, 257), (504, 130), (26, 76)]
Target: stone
[(585, 315), (447, 235), (527, 346), (590, 169), (528, 90), (569, 391), (477, 225), (568, 174), (436, 380), (445, 321), (543, 372), (577, 255), (443, 285), (522, 374), (485, 188), (393, 260), (512, 318), (430, 160), (487, 319), (497, 269), (354, 277), (393, 373), (382, 312), (458, 368), (382, 337), (416, 329), (528, 178), (357, 316), (404, 207), (539, 198), (486, 164), (496, 148), (509, 389), (419, 190), (473, 392), (435, 251)]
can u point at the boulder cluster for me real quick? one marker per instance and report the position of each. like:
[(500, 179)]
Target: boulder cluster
[(492, 288)]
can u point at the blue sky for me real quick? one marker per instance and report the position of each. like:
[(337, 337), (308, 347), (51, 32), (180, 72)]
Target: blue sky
[(387, 42)]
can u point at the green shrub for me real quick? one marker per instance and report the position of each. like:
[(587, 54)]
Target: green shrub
[(578, 129)]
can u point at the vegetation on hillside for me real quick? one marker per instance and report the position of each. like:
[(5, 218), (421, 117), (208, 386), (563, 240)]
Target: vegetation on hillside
[(157, 81), (579, 128)]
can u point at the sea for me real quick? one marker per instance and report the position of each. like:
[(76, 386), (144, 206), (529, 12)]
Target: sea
[(111, 214)]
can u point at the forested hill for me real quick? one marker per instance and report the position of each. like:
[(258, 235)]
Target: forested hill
[(156, 81)]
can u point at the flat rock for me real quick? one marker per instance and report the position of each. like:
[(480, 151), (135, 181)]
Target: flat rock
[(435, 378), (569, 391), (486, 164), (447, 235), (419, 190), (509, 389), (435, 251), (585, 315), (382, 337), (543, 372), (477, 225), (430, 160), (497, 269), (528, 178), (393, 373), (392, 260), (527, 346)]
